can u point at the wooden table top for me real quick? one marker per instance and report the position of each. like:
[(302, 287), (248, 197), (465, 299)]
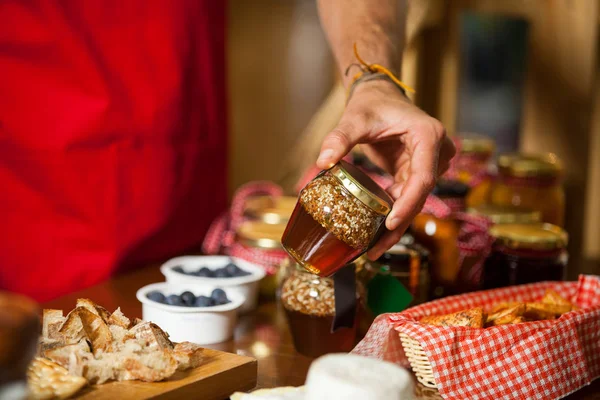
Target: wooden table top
[(262, 334)]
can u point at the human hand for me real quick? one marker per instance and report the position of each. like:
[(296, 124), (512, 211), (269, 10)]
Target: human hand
[(398, 137)]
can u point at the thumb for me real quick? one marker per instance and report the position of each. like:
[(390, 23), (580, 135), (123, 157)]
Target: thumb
[(337, 144)]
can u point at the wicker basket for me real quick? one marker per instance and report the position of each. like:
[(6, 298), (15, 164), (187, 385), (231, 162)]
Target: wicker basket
[(418, 360)]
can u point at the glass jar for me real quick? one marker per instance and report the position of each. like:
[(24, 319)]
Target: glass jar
[(474, 157), (270, 210), (523, 180), (440, 237), (259, 243), (505, 214), (309, 304), (339, 214), (525, 253)]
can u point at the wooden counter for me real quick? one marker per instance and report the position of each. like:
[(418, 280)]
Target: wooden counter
[(262, 334)]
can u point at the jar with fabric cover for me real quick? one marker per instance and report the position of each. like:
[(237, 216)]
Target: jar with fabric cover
[(532, 182), (525, 253)]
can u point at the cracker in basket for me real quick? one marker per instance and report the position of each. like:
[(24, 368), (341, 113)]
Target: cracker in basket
[(506, 315), (473, 318)]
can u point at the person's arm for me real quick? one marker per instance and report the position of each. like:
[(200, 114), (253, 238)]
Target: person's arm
[(396, 135)]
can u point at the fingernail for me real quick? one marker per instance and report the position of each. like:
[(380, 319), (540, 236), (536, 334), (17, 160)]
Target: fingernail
[(325, 158), (393, 223)]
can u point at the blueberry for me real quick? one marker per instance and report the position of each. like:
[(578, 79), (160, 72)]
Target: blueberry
[(232, 269), (157, 296), (222, 273), (174, 300), (241, 272), (188, 298), (203, 301), (204, 272), (219, 296), (179, 269)]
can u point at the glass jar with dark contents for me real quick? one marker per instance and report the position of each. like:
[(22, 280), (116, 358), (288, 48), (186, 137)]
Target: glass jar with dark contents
[(339, 214), (309, 304), (525, 253)]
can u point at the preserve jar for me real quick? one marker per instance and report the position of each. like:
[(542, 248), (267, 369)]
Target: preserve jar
[(259, 243), (525, 253), (309, 304), (531, 182), (275, 210), (440, 237), (474, 157), (338, 216), (505, 214)]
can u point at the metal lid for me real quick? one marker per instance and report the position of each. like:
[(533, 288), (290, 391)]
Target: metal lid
[(530, 236), (522, 165), (260, 234), (476, 143), (506, 214), (270, 210), (362, 187)]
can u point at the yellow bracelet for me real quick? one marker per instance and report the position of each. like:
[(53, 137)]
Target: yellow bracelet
[(370, 72)]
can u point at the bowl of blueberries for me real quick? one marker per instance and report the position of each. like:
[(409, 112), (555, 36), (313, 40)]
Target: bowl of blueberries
[(231, 273), (188, 312)]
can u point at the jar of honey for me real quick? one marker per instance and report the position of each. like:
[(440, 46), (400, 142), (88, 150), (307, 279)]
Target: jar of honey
[(269, 209), (309, 304), (525, 253), (440, 237), (338, 216), (531, 182)]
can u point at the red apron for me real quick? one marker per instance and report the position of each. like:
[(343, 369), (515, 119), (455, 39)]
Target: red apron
[(112, 136)]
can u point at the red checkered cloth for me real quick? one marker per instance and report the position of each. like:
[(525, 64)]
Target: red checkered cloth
[(532, 360)]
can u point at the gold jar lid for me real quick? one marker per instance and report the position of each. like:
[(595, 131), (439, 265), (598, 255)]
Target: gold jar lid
[(530, 236), (270, 210), (506, 214), (476, 143), (260, 235), (523, 165), (362, 187)]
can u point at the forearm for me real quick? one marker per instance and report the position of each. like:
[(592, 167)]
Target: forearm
[(376, 26)]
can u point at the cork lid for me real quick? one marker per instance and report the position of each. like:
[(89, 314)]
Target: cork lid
[(523, 165), (506, 214), (270, 210), (476, 143), (530, 236), (260, 235), (362, 187)]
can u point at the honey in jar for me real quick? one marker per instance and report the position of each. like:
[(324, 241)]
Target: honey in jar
[(532, 182), (338, 216), (525, 253)]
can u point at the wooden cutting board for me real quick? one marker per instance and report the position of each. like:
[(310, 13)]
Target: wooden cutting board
[(217, 378)]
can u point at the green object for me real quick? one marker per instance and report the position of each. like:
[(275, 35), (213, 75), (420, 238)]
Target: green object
[(386, 294)]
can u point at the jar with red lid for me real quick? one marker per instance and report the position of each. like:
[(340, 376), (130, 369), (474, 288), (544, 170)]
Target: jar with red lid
[(338, 216), (525, 253)]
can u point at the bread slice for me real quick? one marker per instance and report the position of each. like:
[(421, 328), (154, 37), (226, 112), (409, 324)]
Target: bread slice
[(151, 336), (52, 320), (118, 318), (148, 367), (94, 308), (506, 315), (72, 329), (96, 331), (62, 355), (473, 318), (48, 380), (188, 355)]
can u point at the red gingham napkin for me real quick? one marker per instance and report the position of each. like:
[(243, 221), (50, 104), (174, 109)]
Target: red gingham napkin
[(533, 360)]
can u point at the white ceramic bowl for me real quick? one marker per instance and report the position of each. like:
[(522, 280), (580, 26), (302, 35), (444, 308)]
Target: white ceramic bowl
[(201, 325), (247, 286)]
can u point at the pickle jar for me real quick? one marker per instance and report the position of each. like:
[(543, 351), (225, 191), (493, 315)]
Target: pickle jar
[(525, 253), (309, 304), (338, 216), (531, 182)]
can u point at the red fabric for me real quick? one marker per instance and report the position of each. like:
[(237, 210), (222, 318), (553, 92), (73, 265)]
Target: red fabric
[(112, 136), (532, 360)]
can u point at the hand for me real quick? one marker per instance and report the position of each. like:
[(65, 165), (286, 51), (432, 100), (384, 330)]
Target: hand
[(399, 138)]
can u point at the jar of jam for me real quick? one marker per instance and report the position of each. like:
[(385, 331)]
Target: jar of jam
[(258, 242), (309, 304), (269, 209), (440, 237), (338, 216), (525, 253), (524, 179)]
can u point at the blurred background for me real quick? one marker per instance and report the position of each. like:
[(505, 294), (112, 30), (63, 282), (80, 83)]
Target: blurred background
[(522, 72)]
